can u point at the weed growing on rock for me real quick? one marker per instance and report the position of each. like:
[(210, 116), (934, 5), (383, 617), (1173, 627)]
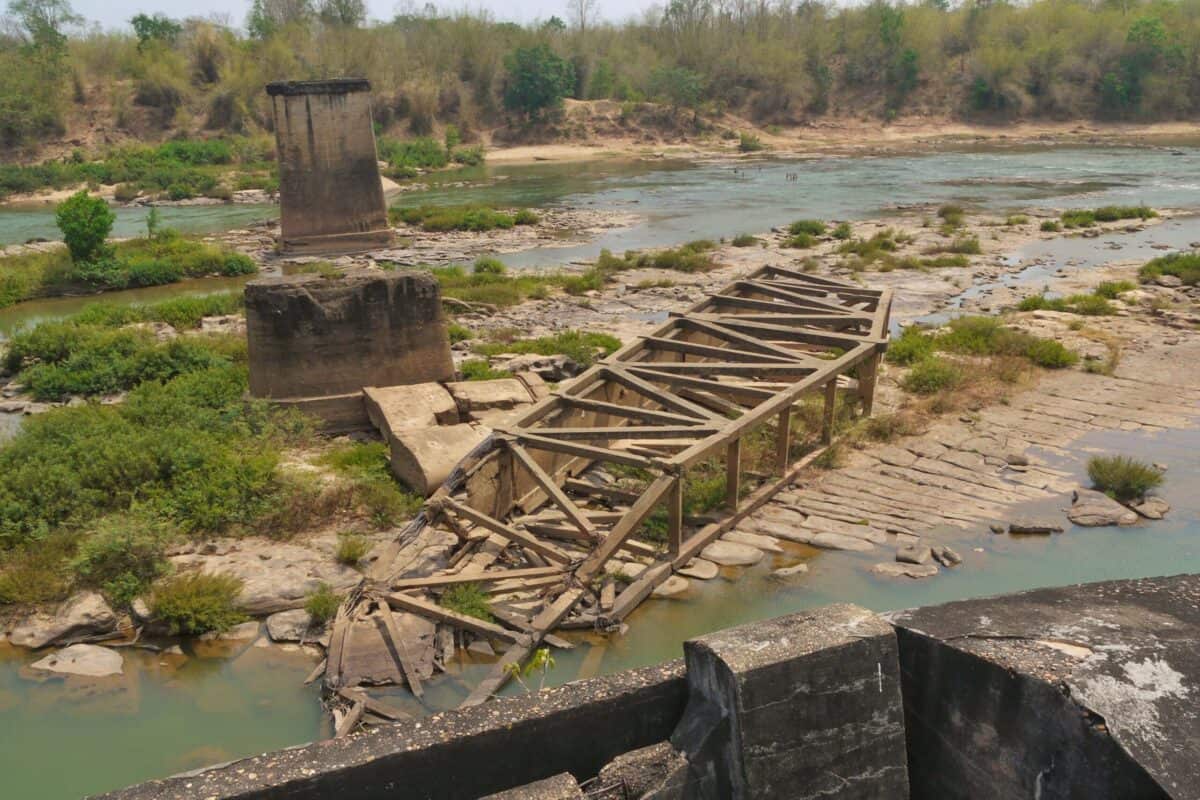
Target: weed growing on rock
[(469, 599), (197, 603), (1122, 477), (322, 605)]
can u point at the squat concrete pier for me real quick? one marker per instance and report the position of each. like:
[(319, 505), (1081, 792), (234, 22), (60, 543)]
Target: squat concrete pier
[(330, 194)]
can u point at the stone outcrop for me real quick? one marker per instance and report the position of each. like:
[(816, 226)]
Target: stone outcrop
[(86, 660), (85, 614), (316, 342), (1092, 509), (330, 193)]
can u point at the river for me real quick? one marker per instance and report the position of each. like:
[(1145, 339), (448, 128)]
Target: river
[(169, 714)]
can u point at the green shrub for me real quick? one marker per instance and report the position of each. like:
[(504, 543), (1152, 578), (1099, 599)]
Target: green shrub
[(1050, 354), (459, 333), (454, 218), (197, 603), (1050, 226), (964, 245), (85, 222), (526, 217), (420, 153), (1092, 305), (842, 232), (469, 599), (322, 605), (1111, 290), (1016, 219), (1185, 266), (1122, 477), (744, 240), (488, 266), (952, 214), (932, 375), (582, 347), (36, 571), (1080, 218), (1116, 213), (123, 556), (813, 227), (749, 143), (800, 241), (351, 548), (984, 336), (913, 345)]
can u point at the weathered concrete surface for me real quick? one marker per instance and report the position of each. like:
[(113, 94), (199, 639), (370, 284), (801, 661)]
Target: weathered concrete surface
[(420, 405), (559, 787), (802, 706), (315, 337), (1086, 691), (458, 754), (330, 194), (423, 458)]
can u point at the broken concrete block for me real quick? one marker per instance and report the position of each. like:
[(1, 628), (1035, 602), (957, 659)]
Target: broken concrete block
[(418, 405), (423, 459), (657, 771), (806, 704), (476, 396), (558, 787)]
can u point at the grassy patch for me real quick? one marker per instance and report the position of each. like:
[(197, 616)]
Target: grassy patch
[(1050, 226), (1122, 477), (1185, 266), (468, 599), (351, 548), (842, 232), (1090, 305), (197, 603), (438, 219), (912, 345), (749, 143), (1085, 218), (952, 214), (744, 240), (932, 375), (371, 485), (478, 369), (1111, 290), (813, 227), (124, 556), (322, 604), (580, 346), (963, 245), (692, 257)]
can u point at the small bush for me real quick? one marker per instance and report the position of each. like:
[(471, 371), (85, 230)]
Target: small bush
[(1185, 266), (1111, 290), (198, 603), (439, 219), (842, 232), (1123, 478), (744, 240), (124, 556), (1116, 213), (351, 548), (1016, 219), (749, 143), (469, 599), (952, 214), (913, 345), (932, 375), (459, 333), (488, 266), (813, 227), (800, 241), (1050, 226), (964, 245), (1051, 354), (322, 605), (526, 217), (85, 222), (1081, 218)]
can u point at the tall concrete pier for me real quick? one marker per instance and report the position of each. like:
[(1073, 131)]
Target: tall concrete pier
[(330, 193)]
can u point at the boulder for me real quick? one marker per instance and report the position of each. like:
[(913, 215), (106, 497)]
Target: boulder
[(765, 543), (293, 626), (787, 572), (275, 577), (423, 459), (552, 368), (85, 614), (418, 405), (914, 554), (700, 569), (897, 570), (1034, 526), (732, 554), (88, 660), (672, 586), (1092, 509), (840, 541), (238, 633), (1152, 507), (945, 556)]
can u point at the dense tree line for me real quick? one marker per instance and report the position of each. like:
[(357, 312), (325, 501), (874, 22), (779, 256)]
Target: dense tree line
[(776, 62)]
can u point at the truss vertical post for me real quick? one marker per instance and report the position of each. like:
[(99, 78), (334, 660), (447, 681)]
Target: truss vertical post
[(733, 472), (830, 407), (675, 517), (867, 373), (783, 441)]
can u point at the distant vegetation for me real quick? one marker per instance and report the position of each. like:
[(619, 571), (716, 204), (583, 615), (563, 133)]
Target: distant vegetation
[(775, 64), (461, 218), (1185, 266), (1085, 218), (969, 336)]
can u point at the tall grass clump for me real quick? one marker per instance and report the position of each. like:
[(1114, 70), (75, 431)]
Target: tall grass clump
[(196, 603), (1122, 477), (932, 375), (1185, 266), (468, 599), (912, 345)]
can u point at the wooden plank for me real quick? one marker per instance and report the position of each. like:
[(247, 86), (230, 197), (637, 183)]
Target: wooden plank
[(351, 720), (374, 706), (405, 584), (739, 390), (714, 351), (719, 331), (552, 490), (733, 473), (337, 648), (520, 623), (580, 486), (406, 668), (773, 369), (608, 593), (524, 584), (426, 608), (631, 412), (508, 532), (762, 287), (587, 451), (317, 672), (827, 416), (627, 432), (725, 408), (656, 394), (783, 439), (867, 373), (675, 517)]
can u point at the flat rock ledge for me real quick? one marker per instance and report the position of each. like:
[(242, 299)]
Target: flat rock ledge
[(896, 569), (1092, 509), (87, 660)]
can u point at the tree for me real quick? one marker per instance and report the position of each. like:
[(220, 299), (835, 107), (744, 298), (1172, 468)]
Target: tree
[(538, 79), (157, 28), (269, 16), (343, 13), (85, 222), (582, 13), (43, 20), (681, 87)]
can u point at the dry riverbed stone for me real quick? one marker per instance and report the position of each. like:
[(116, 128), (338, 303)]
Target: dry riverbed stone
[(85, 614), (732, 554), (672, 586), (1092, 509), (701, 569), (88, 660), (899, 570), (765, 543)]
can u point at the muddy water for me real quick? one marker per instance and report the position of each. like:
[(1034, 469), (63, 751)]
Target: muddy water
[(162, 717)]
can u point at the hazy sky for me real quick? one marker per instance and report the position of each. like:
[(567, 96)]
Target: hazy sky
[(114, 13)]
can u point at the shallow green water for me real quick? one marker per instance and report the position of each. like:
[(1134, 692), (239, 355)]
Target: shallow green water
[(64, 740), (21, 223)]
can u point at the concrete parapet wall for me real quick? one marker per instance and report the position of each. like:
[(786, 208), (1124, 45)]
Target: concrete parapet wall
[(330, 193), (316, 337), (1080, 692)]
